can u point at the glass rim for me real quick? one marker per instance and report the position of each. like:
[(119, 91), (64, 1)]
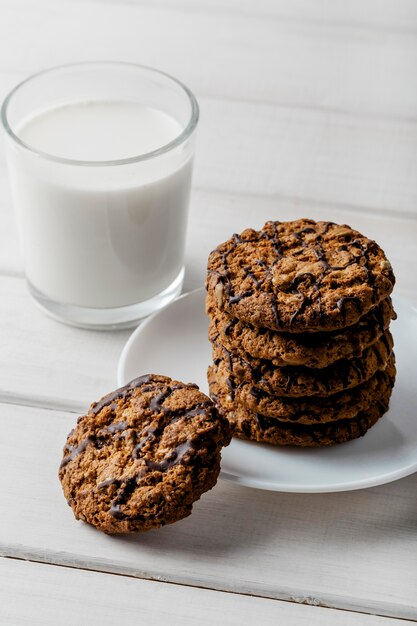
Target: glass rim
[(181, 138)]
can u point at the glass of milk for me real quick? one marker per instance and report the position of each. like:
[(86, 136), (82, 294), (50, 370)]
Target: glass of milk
[(100, 161)]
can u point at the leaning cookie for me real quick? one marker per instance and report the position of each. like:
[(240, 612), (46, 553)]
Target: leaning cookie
[(298, 276), (143, 455)]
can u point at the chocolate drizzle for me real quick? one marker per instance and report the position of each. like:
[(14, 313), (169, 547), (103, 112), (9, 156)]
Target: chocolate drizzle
[(129, 485), (156, 404), (120, 394), (148, 435), (232, 387), (274, 239), (238, 298), (275, 310), (116, 427), (74, 451), (180, 455), (229, 327), (342, 302)]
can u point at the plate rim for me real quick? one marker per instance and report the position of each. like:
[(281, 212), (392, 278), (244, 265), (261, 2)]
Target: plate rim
[(364, 483), (139, 329)]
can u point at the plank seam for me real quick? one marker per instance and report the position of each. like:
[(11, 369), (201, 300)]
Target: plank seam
[(290, 600), (39, 403)]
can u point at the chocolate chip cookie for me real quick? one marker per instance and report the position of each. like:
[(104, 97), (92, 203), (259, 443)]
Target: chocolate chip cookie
[(298, 276), (257, 427), (293, 381), (316, 350), (304, 410), (143, 455)]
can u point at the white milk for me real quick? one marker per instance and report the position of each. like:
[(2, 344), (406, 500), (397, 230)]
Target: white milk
[(94, 235), (99, 131)]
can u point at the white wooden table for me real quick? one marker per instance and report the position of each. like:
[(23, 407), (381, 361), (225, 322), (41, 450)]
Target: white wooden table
[(307, 109)]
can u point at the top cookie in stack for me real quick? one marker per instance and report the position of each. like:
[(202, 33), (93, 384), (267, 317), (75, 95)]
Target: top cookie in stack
[(300, 314)]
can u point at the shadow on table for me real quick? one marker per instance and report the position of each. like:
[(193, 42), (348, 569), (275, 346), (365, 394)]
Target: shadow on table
[(246, 521)]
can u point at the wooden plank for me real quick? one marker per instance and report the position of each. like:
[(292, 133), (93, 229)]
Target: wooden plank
[(106, 599), (59, 359), (214, 216), (52, 365), (279, 157), (396, 15), (336, 66), (347, 550), (68, 368), (10, 251), (305, 155)]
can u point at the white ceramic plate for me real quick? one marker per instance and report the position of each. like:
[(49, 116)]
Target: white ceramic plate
[(174, 342)]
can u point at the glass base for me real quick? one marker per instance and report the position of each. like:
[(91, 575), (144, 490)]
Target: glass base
[(107, 319)]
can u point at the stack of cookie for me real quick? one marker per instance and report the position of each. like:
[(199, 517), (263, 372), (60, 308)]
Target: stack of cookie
[(299, 323)]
